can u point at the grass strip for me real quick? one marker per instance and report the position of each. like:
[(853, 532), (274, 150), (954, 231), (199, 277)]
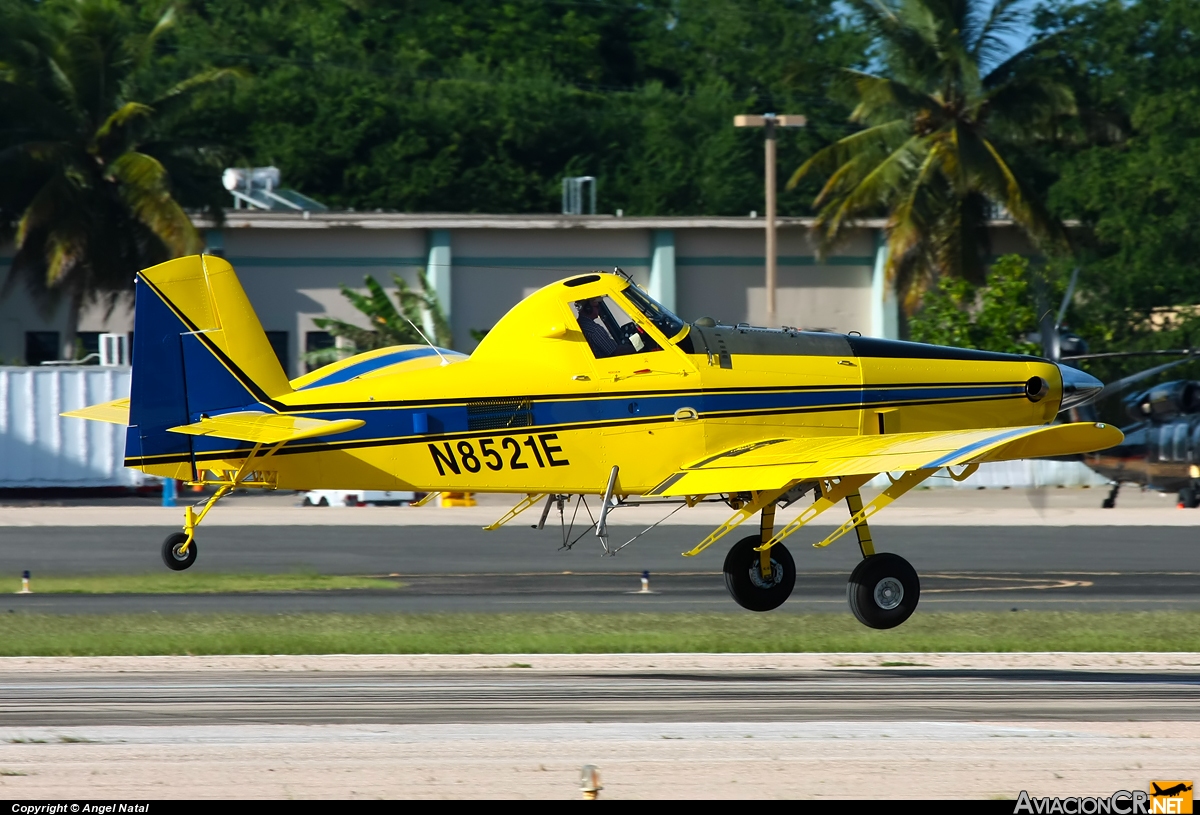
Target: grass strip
[(205, 583), (71, 635)]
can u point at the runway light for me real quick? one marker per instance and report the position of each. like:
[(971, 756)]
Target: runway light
[(25, 583), (645, 583), (589, 782)]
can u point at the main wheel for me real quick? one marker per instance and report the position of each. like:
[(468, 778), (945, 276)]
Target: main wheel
[(176, 560), (883, 590), (1189, 497), (745, 580)]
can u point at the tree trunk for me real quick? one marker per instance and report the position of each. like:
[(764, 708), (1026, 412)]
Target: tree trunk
[(74, 307)]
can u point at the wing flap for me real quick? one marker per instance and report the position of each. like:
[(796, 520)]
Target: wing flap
[(774, 463), (114, 412), (266, 428)]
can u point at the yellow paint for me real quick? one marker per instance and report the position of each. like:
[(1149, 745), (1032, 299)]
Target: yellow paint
[(675, 422)]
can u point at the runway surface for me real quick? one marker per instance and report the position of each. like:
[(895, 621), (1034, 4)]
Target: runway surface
[(514, 569), (511, 695), (655, 733)]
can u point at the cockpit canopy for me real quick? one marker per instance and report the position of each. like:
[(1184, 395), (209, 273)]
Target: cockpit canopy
[(611, 332)]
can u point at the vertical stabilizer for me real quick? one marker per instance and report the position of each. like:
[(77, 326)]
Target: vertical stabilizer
[(198, 347)]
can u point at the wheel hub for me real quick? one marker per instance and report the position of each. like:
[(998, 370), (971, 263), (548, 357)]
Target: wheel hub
[(889, 593), (756, 575), (178, 553)]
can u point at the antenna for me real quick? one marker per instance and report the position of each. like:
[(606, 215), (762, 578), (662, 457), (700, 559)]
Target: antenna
[(618, 270), (427, 342)]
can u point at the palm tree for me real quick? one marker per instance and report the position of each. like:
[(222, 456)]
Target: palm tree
[(938, 124), (82, 193), (389, 325)]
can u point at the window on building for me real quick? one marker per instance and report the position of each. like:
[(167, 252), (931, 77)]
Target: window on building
[(279, 343), (316, 341), (40, 346)]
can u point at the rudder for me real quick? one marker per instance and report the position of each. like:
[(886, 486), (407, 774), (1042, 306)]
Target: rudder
[(198, 347)]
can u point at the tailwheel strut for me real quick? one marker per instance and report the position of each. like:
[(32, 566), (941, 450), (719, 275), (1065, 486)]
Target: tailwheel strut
[(179, 549)]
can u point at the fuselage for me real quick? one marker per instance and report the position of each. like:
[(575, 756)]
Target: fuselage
[(534, 409)]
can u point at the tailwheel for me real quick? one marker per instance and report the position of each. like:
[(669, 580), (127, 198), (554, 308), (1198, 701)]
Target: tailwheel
[(745, 580), (175, 559), (883, 590)]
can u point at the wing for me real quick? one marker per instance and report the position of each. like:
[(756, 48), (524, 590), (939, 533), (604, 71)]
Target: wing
[(114, 412), (774, 463), (266, 428)]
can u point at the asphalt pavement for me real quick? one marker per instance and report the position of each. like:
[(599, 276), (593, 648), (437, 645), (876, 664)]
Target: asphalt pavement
[(455, 568), (511, 695)]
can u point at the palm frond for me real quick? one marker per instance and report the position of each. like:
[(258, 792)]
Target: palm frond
[(119, 118), (990, 38), (877, 140), (143, 188)]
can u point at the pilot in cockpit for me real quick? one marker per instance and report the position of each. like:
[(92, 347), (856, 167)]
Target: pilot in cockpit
[(596, 333)]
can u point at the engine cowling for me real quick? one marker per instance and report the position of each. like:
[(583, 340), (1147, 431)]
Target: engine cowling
[(1164, 401)]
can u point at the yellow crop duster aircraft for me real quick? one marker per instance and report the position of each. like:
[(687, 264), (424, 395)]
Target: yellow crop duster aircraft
[(589, 387)]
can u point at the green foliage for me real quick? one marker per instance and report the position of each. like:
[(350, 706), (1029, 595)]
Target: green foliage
[(1000, 315), (477, 106), (85, 181), (937, 125), (391, 323), (1132, 182)]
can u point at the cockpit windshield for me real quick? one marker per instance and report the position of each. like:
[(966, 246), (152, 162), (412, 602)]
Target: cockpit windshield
[(665, 321)]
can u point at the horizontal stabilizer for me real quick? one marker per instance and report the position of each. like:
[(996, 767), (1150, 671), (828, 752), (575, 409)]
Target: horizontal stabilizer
[(775, 463), (114, 412), (266, 428)]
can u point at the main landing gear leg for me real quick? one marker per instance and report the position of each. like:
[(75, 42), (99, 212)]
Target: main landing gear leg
[(883, 589), (1111, 500), (760, 578)]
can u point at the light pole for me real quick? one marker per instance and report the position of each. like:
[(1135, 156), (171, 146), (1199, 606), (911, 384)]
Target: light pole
[(770, 121)]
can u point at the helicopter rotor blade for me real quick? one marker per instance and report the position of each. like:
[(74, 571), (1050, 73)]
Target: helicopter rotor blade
[(1114, 388), (1112, 354)]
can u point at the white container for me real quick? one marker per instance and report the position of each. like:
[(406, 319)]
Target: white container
[(356, 498), (40, 448)]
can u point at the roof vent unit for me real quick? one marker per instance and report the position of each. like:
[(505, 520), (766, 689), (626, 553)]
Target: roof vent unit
[(573, 194), (258, 188)]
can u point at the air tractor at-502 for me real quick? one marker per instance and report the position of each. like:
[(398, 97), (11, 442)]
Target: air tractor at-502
[(589, 389)]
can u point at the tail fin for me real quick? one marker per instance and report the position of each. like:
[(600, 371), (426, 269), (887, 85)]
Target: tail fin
[(198, 347)]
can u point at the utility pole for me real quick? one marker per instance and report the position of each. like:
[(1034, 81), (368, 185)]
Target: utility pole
[(770, 121)]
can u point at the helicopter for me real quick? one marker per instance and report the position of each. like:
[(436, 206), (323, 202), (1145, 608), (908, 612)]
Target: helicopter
[(1161, 449)]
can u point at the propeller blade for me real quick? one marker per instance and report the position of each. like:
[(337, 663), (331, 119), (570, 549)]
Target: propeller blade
[(1051, 348), (1114, 388), (1066, 301)]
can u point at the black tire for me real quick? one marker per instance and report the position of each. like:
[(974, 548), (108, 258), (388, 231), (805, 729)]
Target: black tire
[(744, 579), (323, 502), (1190, 497), (1108, 503), (883, 590), (307, 502), (170, 552)]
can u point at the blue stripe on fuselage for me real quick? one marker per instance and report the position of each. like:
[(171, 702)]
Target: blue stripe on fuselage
[(397, 422), (374, 364)]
